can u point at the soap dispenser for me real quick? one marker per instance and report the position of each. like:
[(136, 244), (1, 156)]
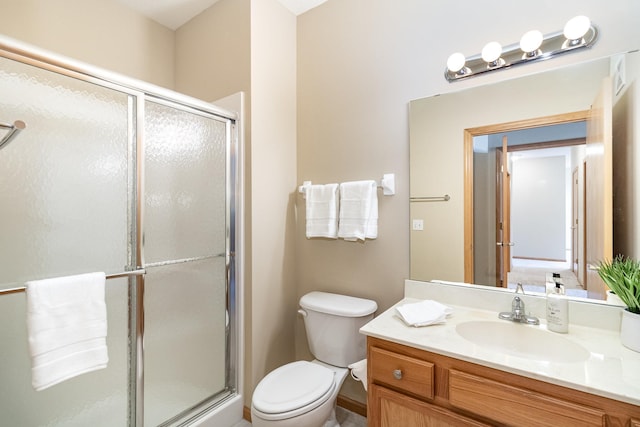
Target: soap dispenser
[(557, 310)]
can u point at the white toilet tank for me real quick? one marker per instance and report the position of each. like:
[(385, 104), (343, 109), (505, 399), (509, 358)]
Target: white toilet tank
[(332, 322)]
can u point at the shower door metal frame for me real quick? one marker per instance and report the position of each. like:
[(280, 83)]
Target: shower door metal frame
[(138, 92)]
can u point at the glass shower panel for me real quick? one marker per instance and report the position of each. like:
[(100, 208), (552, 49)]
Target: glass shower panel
[(64, 189), (185, 222), (185, 180), (185, 337), (63, 183)]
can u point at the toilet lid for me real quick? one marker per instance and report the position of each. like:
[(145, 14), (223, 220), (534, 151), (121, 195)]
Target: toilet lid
[(293, 386)]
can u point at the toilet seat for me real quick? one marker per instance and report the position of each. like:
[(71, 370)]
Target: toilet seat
[(293, 389)]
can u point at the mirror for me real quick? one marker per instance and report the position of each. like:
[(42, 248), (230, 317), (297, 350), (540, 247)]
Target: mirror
[(438, 164)]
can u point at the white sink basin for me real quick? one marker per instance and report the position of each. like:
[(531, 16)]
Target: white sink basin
[(522, 340)]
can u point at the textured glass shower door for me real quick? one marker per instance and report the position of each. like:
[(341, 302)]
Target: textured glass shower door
[(110, 177), (65, 192), (185, 255)]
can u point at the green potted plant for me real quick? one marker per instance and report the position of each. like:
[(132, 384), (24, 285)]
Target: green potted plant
[(622, 276)]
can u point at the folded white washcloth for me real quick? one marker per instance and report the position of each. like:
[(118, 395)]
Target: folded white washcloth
[(67, 327), (358, 210), (424, 313), (359, 372), (322, 210)]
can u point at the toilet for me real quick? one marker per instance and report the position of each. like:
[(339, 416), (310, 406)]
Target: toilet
[(304, 393)]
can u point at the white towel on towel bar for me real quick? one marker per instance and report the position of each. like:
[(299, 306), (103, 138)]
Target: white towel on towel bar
[(67, 327), (358, 210), (322, 210)]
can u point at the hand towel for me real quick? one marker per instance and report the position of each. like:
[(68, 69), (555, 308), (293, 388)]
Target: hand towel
[(424, 313), (322, 210), (358, 210), (359, 372), (67, 327)]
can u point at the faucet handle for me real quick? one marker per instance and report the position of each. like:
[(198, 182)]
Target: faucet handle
[(518, 314), (517, 308), (517, 303), (519, 288)]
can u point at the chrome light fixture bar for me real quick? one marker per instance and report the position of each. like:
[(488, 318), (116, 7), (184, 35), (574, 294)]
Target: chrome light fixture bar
[(578, 33)]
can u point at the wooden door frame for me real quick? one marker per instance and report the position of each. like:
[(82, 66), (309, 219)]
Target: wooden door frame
[(583, 267), (575, 232), (599, 221), (503, 215), (499, 159), (468, 135)]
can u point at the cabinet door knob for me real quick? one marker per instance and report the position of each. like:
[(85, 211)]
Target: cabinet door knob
[(397, 374)]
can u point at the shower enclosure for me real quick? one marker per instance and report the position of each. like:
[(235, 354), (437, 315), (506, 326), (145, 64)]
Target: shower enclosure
[(110, 174)]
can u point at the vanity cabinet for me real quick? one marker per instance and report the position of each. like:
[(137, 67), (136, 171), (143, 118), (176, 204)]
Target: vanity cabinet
[(397, 409), (410, 387)]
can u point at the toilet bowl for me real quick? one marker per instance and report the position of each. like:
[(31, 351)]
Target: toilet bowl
[(298, 394), (302, 393)]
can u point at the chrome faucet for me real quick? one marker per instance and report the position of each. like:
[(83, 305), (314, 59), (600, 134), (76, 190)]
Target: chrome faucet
[(517, 313)]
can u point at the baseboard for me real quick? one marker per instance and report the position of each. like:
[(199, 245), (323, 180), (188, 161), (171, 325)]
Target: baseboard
[(344, 402), (352, 405)]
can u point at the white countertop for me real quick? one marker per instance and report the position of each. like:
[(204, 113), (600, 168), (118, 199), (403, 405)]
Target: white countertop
[(611, 370)]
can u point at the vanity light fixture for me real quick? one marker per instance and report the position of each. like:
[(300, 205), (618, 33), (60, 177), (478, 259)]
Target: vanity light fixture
[(456, 63), (530, 44), (575, 29), (577, 33), (491, 55)]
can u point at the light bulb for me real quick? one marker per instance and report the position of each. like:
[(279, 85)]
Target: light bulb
[(577, 27), (491, 52), (531, 41), (456, 62)]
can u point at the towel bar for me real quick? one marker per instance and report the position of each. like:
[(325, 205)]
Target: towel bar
[(13, 131), (387, 183), (139, 272), (444, 198)]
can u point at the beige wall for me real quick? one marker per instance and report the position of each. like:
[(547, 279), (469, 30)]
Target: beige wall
[(360, 63), (273, 180), (99, 32), (213, 51)]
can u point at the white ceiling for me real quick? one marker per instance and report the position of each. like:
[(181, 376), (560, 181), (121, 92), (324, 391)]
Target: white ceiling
[(174, 13)]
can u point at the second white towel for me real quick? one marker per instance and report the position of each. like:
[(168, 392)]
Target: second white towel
[(67, 327), (358, 210)]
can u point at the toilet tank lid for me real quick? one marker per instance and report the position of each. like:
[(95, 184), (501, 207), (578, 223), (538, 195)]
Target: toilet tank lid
[(339, 305)]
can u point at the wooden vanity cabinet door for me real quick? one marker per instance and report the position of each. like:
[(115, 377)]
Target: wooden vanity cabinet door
[(517, 406), (392, 409)]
